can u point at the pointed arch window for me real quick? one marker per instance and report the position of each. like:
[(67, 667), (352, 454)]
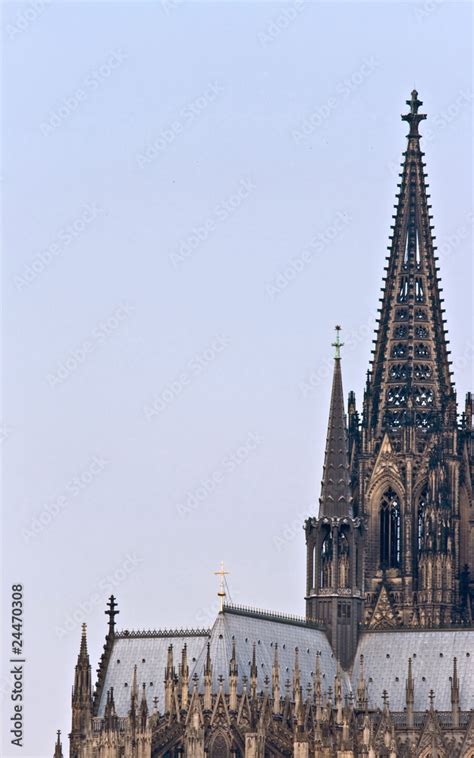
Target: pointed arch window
[(422, 503), (219, 747), (343, 552), (403, 291), (390, 530), (326, 560), (419, 291)]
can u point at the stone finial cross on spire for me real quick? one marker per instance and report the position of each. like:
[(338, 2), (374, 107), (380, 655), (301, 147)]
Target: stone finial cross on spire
[(337, 344), (414, 117), (111, 613)]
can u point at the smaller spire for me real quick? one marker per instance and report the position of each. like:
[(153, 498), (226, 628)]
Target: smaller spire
[(317, 682), (276, 691), (455, 704), (410, 696), (143, 709), (58, 750), (134, 698), (208, 680), (233, 679), (253, 672), (233, 667), (336, 496), (362, 698), (184, 677)]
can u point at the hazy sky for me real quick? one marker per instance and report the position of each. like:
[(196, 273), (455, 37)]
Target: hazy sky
[(194, 194)]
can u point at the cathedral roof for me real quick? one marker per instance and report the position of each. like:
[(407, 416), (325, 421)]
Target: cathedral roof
[(148, 651), (254, 635), (432, 652)]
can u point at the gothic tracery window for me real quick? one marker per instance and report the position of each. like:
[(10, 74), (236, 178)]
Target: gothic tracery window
[(422, 351), (401, 314), (398, 371), (421, 332), (219, 747), (422, 371), (390, 530), (399, 350), (396, 396), (423, 396)]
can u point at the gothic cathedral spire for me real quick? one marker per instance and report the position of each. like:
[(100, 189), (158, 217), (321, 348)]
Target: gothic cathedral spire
[(409, 383), (81, 697), (336, 497), (410, 458), (334, 557)]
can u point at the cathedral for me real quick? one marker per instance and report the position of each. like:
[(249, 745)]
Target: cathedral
[(382, 662)]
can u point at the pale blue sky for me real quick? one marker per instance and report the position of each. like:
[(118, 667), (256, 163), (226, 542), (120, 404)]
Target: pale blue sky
[(166, 385)]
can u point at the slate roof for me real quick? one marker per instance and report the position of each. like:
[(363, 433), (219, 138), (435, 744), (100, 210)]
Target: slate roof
[(149, 654), (386, 664), (385, 659)]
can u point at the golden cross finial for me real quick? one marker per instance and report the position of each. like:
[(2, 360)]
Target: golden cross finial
[(221, 594), (338, 344)]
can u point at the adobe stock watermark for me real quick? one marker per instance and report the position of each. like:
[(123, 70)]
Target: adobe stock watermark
[(100, 334), (105, 586), (194, 368), (26, 17), (318, 244), (206, 616), (289, 531), (321, 374), (168, 6), (61, 242), (76, 486), (281, 22), (424, 11), (196, 496), (6, 432), (343, 90), (186, 118), (200, 233), (451, 243), (91, 83), (438, 122)]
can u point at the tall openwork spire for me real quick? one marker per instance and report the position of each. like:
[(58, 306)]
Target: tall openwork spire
[(335, 497), (409, 383)]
